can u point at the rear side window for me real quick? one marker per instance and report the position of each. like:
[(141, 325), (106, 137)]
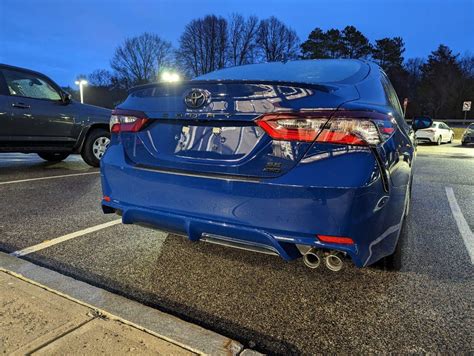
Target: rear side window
[(391, 95), (320, 71), (392, 98), (29, 85)]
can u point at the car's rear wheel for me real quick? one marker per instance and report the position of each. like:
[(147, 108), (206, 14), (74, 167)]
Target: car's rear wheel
[(451, 139), (53, 156), (393, 262), (95, 146)]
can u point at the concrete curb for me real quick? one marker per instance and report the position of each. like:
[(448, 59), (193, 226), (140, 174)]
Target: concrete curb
[(115, 307)]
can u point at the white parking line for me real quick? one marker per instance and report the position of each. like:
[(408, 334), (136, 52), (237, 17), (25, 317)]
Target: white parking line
[(50, 177), (58, 240), (463, 226)]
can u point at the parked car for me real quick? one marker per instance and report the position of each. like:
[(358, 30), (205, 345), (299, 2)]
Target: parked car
[(37, 116), (437, 133), (309, 158), (468, 135)]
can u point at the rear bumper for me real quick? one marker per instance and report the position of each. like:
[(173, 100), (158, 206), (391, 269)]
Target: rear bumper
[(272, 214), (425, 137), (468, 139)]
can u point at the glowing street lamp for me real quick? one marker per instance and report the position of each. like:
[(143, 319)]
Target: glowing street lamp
[(170, 77), (81, 83)]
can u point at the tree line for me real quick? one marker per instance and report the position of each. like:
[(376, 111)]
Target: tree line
[(435, 86)]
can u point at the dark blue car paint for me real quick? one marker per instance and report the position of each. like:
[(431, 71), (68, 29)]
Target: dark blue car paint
[(326, 189)]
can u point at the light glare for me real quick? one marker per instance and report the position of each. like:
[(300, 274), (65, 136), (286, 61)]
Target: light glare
[(170, 77)]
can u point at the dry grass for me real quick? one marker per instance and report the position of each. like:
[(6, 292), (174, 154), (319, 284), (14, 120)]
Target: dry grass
[(458, 131)]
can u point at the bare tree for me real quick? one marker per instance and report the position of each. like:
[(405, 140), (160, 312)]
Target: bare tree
[(242, 39), (277, 41), (100, 78), (81, 77), (413, 67), (203, 45), (139, 59)]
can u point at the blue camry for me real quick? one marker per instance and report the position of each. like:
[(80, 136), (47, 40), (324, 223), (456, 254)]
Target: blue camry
[(307, 159)]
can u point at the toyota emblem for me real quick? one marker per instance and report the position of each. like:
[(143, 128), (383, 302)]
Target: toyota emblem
[(196, 98)]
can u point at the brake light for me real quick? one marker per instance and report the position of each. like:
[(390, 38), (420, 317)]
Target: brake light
[(127, 121), (292, 127), (336, 239), (350, 132), (347, 127)]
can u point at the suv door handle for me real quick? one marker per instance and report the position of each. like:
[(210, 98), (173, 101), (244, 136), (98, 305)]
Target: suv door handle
[(20, 106)]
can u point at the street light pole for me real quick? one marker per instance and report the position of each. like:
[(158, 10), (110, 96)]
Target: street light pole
[(81, 83)]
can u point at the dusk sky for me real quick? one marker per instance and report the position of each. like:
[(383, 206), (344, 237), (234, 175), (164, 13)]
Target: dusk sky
[(64, 38)]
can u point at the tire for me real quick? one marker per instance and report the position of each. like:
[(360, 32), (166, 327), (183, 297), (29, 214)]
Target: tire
[(393, 262), (451, 139), (408, 205), (94, 146), (464, 143), (53, 156), (438, 142)]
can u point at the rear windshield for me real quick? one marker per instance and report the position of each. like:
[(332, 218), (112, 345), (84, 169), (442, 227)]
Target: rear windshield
[(318, 71)]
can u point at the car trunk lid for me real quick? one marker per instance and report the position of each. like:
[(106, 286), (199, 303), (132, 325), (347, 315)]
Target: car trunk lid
[(208, 127)]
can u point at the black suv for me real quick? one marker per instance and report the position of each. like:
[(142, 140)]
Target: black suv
[(37, 116)]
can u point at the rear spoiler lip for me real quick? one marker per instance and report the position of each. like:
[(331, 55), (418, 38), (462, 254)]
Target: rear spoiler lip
[(327, 88)]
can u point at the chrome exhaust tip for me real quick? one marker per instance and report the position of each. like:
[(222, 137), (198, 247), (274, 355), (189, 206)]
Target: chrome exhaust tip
[(333, 262), (311, 259)]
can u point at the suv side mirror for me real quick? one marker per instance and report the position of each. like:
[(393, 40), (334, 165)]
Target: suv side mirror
[(67, 98), (421, 123)]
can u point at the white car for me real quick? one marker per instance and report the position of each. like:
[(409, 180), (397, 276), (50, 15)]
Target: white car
[(437, 133)]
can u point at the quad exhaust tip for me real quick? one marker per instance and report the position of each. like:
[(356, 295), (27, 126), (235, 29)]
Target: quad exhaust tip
[(311, 258), (333, 260)]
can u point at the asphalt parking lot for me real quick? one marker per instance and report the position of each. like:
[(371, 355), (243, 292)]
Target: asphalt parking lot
[(262, 301)]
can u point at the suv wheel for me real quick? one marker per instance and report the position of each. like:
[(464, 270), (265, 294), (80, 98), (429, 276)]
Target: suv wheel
[(53, 156), (95, 145)]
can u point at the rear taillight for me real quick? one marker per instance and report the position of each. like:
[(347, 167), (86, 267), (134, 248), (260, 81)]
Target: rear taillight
[(292, 127), (350, 132), (345, 127), (127, 121)]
